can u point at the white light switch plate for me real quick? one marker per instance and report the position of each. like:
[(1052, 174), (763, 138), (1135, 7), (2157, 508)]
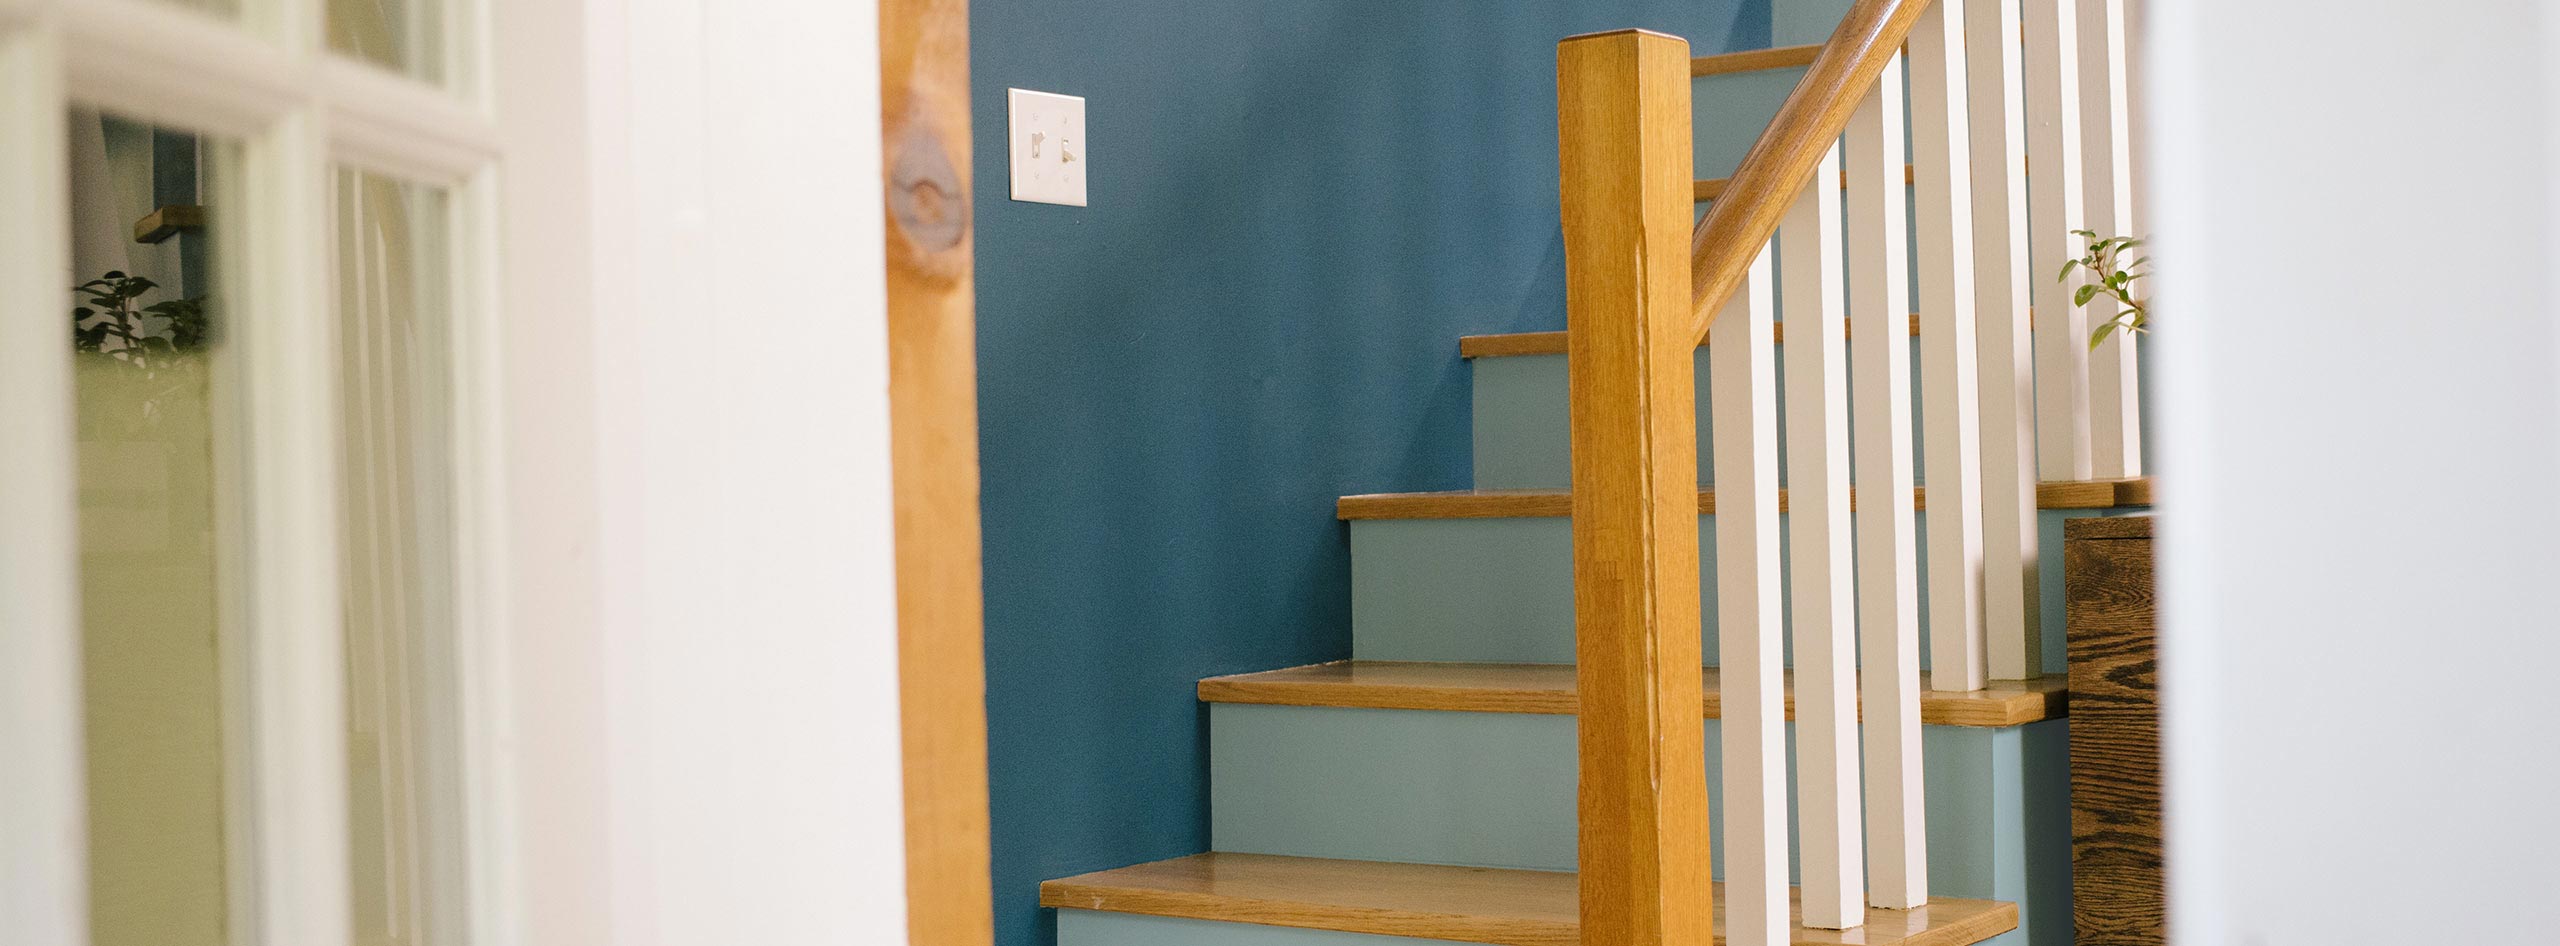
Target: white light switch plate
[(1045, 132)]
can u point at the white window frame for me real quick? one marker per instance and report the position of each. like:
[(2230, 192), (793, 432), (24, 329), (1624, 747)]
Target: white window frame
[(298, 111)]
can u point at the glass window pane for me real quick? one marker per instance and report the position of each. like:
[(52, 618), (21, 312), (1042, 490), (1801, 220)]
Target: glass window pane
[(405, 36), (394, 379), (156, 504)]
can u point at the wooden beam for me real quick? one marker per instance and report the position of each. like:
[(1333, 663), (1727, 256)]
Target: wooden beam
[(1624, 158), (933, 447)]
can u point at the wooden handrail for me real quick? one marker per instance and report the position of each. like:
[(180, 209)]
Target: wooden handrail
[(1746, 215)]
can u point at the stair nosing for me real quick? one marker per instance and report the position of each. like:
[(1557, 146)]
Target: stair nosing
[(2003, 705), (1539, 908), (1554, 503)]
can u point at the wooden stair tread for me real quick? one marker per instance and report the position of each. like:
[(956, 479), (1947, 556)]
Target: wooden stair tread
[(1548, 689), (1465, 904), (1753, 60), (1552, 343), (1542, 503)]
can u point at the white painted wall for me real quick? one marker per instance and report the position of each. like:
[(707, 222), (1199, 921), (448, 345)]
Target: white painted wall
[(705, 668), (2360, 391)]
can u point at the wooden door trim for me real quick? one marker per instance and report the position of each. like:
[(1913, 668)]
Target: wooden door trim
[(933, 437)]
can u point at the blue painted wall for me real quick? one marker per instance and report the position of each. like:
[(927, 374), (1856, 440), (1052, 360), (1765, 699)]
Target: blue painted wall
[(1297, 208)]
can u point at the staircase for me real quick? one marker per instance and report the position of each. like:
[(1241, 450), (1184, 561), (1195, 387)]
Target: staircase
[(1524, 748)]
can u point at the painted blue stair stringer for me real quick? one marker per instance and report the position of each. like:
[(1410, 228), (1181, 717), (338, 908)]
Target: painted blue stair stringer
[(1497, 790), (1501, 590)]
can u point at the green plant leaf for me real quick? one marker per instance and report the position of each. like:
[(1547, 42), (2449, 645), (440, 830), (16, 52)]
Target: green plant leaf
[(2100, 334), (2081, 297)]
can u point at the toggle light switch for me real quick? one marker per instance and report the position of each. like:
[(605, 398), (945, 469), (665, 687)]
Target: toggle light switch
[(1045, 133)]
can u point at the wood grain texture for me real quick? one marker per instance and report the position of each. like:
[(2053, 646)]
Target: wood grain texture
[(933, 446), (1723, 245), (1754, 60), (1429, 901), (1624, 162), (1553, 343), (1548, 690), (1538, 503), (2117, 880)]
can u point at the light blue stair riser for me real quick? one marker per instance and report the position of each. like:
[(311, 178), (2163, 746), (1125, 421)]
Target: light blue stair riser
[(1728, 113), (1497, 790), (1089, 928), (1523, 431), (1501, 590)]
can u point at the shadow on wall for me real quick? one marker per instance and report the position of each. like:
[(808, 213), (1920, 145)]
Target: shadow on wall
[(1297, 208)]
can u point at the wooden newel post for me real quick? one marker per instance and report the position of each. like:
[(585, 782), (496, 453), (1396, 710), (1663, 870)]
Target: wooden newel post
[(1623, 132)]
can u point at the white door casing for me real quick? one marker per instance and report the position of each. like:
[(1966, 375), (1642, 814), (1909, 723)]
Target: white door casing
[(678, 672), (296, 112)]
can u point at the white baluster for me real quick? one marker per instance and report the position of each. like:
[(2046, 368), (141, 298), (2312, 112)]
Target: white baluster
[(1822, 598), (1743, 387), (1888, 559), (2106, 141), (2135, 15), (2001, 277), (2054, 209), (1950, 422)]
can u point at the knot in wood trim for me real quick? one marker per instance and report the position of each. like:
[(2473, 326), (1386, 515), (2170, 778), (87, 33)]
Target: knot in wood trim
[(926, 200)]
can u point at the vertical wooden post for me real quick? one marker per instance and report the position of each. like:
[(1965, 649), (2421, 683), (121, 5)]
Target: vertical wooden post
[(1622, 102), (933, 447)]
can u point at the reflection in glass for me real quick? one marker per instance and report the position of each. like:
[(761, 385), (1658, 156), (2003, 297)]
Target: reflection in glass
[(146, 333), (398, 519), (405, 36)]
